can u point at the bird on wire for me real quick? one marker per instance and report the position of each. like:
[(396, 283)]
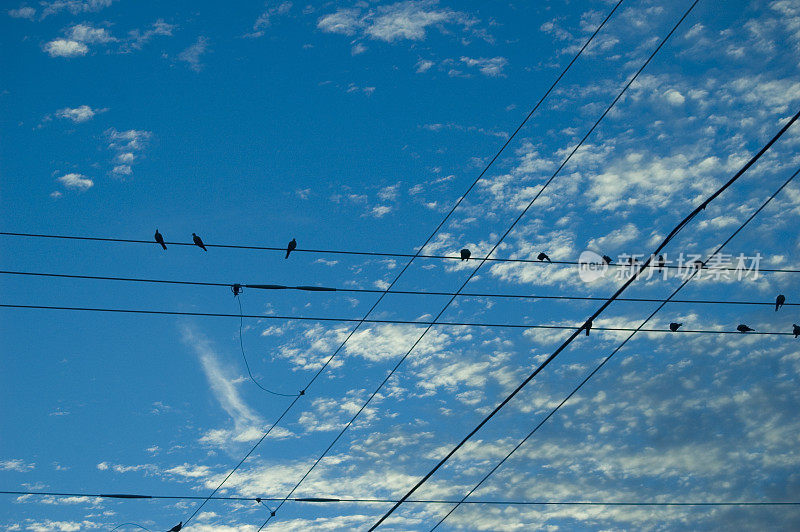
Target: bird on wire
[(795, 330), (607, 259), (543, 257), (675, 326), (661, 262), (588, 326), (198, 242), (744, 328), (160, 239), (779, 301), (465, 254), (176, 528), (291, 247)]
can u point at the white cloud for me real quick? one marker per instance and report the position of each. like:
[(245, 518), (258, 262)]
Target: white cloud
[(74, 6), (22, 12), (423, 65), (79, 181), (15, 464), (264, 20), (78, 114), (343, 21), (192, 54), (492, 67), (138, 38), (674, 97), (65, 48), (89, 34)]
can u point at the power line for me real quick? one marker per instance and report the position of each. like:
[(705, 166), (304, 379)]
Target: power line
[(308, 288), (416, 254), (337, 500), (605, 360), (432, 323), (369, 253), (496, 245), (619, 291)]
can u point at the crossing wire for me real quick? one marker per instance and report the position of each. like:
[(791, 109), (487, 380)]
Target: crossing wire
[(433, 323), (496, 245), (416, 254), (337, 500), (307, 288), (605, 360)]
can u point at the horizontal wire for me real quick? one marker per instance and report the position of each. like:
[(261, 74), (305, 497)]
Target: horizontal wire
[(370, 253), (130, 496), (308, 288), (397, 322)]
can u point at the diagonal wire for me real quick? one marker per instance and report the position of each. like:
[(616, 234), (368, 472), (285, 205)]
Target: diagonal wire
[(483, 261), (419, 251), (620, 346), (587, 325)]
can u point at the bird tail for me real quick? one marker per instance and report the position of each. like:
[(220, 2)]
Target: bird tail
[(204, 248), (287, 253), (163, 245)]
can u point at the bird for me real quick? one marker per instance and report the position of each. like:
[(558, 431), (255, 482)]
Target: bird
[(674, 326), (588, 327), (543, 257), (198, 242), (606, 259), (697, 265), (291, 247), (779, 301), (176, 528), (744, 328), (661, 262), (465, 254), (795, 330), (160, 239), (236, 289)]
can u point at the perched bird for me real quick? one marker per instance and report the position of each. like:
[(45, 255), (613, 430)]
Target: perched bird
[(198, 242), (744, 328), (661, 262), (588, 327), (795, 330), (697, 265), (465, 254), (291, 247), (779, 301), (176, 528), (236, 289), (543, 257), (674, 326), (606, 259), (160, 239)]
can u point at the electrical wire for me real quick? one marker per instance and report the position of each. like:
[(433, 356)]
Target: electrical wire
[(337, 500), (417, 253), (605, 360), (496, 245), (241, 344), (371, 253), (433, 323), (403, 292), (619, 291)]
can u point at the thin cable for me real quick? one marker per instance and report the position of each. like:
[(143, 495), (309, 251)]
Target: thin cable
[(605, 360), (496, 245), (336, 500), (129, 524), (619, 291), (433, 323), (365, 253), (306, 288), (241, 344)]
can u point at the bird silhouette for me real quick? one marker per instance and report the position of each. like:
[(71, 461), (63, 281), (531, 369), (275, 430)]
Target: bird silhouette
[(291, 247), (606, 259), (779, 301), (697, 265), (661, 262), (744, 328), (198, 242), (543, 257), (236, 289), (795, 330), (465, 254), (674, 326), (588, 326), (160, 239), (176, 528)]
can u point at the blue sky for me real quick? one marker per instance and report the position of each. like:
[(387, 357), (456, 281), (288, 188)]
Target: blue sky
[(357, 126)]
